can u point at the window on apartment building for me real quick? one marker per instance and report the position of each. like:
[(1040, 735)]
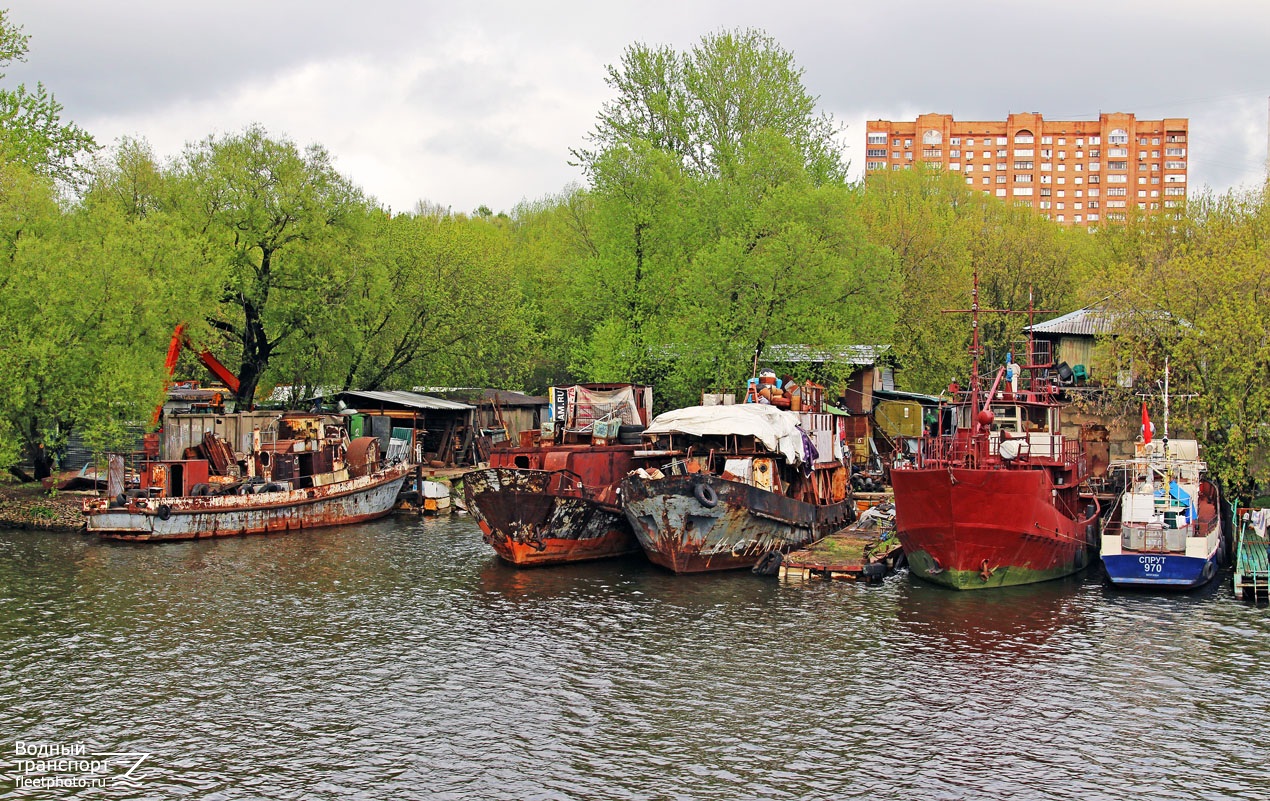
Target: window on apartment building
[(1093, 218), (932, 137), (1024, 138), (1117, 165), (956, 165), (1117, 191), (1047, 140), (1094, 179), (1000, 165), (1093, 193), (954, 154), (932, 153), (896, 142), (1155, 140), (1155, 179), (1155, 193), (1118, 137), (908, 154), (1045, 191), (1023, 178), (1155, 167), (1115, 204), (1080, 167), (1022, 165), (970, 168), (1076, 218), (1079, 181), (1155, 154), (1001, 179), (876, 152), (1093, 204), (1023, 152), (1045, 179), (1077, 206), (1046, 166), (1142, 193), (1062, 141), (877, 138), (1000, 193), (1155, 206), (1142, 142), (1061, 193), (1060, 217), (1175, 165), (1175, 190), (1117, 152), (1001, 154), (956, 140), (1045, 154), (1175, 138), (1022, 191), (1061, 181), (986, 180), (1171, 204), (895, 154), (970, 143), (1062, 154), (875, 165), (1117, 179), (1142, 179), (1093, 154), (1045, 204), (1095, 140), (908, 143), (970, 182), (1062, 168), (1001, 140)]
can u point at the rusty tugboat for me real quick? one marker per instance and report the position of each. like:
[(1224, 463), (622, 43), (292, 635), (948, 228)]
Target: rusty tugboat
[(303, 473), (995, 501), (555, 501), (738, 482)]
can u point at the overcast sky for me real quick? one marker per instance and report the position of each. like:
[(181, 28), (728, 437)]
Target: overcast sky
[(469, 103)]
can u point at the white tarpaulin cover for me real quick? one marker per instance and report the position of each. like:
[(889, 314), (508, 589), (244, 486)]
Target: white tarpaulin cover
[(778, 430)]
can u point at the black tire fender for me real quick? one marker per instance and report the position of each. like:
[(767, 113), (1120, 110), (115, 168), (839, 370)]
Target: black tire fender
[(163, 512), (705, 495)]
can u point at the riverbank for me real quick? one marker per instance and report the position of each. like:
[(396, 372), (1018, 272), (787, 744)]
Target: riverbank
[(29, 506)]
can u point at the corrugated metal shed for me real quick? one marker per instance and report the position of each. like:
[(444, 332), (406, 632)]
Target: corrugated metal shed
[(364, 399)]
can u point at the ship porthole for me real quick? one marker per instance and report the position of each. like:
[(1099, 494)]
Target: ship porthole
[(706, 495)]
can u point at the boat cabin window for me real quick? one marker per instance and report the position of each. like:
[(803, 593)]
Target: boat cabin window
[(1006, 418), (1036, 418)]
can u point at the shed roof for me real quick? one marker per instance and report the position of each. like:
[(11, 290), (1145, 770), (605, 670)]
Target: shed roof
[(408, 400), (848, 354), (1089, 321)]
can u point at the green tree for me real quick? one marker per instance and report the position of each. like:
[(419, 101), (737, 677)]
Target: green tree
[(281, 226), (1193, 288), (703, 104), (32, 132)]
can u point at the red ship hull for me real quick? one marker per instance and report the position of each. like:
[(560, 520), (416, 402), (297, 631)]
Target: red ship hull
[(978, 528)]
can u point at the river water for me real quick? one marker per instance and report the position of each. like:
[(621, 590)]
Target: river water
[(399, 659)]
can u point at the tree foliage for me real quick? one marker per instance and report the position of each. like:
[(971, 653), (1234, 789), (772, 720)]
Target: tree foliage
[(702, 105), (32, 132)]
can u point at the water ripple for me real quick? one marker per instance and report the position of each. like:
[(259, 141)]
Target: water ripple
[(401, 660)]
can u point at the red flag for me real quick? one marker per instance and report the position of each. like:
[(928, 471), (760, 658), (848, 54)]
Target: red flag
[(1147, 428)]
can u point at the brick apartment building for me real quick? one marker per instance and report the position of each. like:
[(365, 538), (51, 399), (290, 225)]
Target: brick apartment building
[(1076, 173)]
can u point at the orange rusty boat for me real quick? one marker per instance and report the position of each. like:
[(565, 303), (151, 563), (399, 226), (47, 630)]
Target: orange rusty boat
[(308, 475), (555, 501)]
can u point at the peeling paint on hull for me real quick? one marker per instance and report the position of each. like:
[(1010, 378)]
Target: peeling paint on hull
[(533, 518), (185, 518), (682, 532)]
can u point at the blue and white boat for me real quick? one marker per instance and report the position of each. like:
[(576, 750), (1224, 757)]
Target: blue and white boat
[(1169, 533)]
